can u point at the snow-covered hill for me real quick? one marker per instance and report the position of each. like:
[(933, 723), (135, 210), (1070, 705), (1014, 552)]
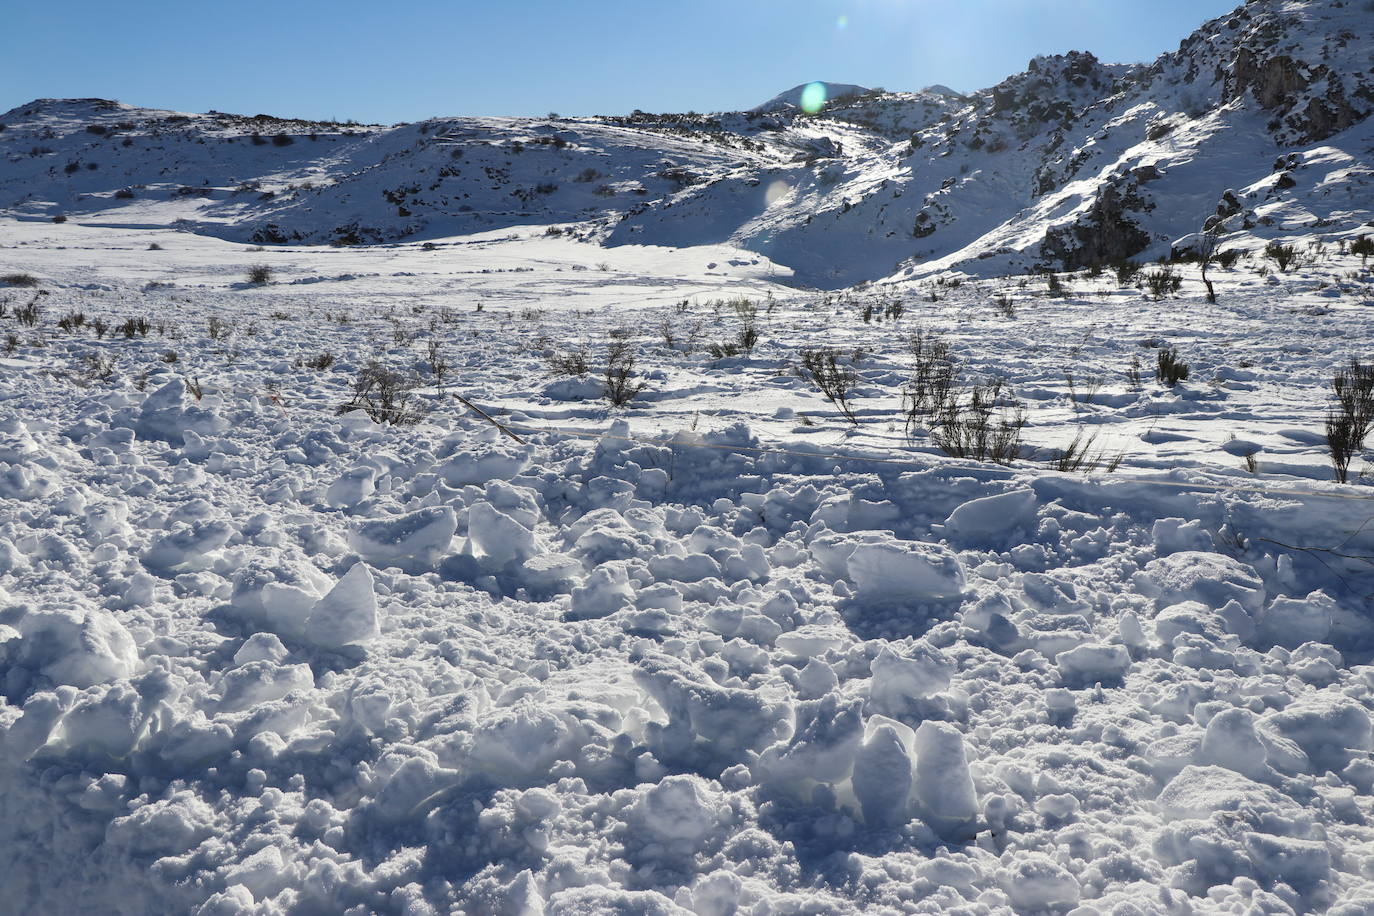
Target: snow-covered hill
[(1070, 163)]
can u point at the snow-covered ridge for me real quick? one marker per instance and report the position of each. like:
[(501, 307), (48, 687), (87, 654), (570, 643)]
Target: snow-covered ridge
[(1069, 163)]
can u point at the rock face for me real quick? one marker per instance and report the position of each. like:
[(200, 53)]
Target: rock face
[(1106, 234)]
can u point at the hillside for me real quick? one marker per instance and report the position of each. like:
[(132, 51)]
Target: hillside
[(1070, 163)]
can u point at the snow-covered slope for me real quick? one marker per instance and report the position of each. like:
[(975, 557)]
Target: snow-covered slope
[(792, 98), (1070, 163)]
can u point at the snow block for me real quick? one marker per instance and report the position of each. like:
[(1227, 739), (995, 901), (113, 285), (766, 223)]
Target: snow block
[(990, 518), (165, 415), (905, 571), (495, 461), (1087, 664), (347, 615), (899, 679), (414, 541), (944, 784), (76, 646), (1290, 622), (883, 778)]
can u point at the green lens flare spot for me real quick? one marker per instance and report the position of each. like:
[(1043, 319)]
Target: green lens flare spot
[(813, 98)]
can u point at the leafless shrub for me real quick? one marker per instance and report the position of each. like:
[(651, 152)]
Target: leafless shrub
[(1078, 455), (438, 364), (30, 313), (138, 325), (71, 321), (216, 327), (833, 378), (21, 280), (1162, 282), (981, 427), (260, 274), (1284, 257), (384, 395), (933, 377), (569, 362), (621, 385)]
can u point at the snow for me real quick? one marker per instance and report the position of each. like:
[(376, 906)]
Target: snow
[(718, 650)]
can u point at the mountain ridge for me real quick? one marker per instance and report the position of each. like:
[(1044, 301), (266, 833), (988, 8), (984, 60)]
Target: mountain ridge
[(1263, 113)]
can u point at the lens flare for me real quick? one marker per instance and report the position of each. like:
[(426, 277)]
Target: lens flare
[(813, 98), (842, 23), (777, 191)]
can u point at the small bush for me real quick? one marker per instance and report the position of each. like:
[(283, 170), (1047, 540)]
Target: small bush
[(259, 274), (976, 428), (282, 140), (59, 218), (138, 325), (1162, 282), (1006, 306), (71, 321), (23, 280), (216, 328), (621, 386), (1364, 247), (384, 395), (932, 381), (124, 194), (1126, 272), (570, 362), (29, 314), (320, 362), (833, 378), (1283, 256), (1169, 369), (1349, 419)]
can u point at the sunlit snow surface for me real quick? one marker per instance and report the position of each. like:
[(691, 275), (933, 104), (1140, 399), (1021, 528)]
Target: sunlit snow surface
[(713, 653)]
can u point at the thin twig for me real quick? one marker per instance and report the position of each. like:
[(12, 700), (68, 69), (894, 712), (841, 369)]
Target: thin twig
[(488, 417)]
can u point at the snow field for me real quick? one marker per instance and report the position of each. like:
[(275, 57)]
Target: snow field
[(698, 656)]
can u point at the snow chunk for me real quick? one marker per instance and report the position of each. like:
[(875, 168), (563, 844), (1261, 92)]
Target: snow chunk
[(684, 811), (1290, 622), (497, 539), (76, 646), (348, 614), (494, 461), (1231, 742), (1089, 663), (897, 680), (353, 486), (605, 591), (165, 415), (944, 785), (1200, 791), (412, 542), (905, 570), (1209, 578), (980, 520), (883, 778), (1035, 882)]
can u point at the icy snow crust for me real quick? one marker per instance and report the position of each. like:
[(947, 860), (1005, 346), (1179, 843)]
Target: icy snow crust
[(715, 653)]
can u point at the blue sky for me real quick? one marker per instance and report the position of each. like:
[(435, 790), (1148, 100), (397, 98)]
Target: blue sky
[(412, 59)]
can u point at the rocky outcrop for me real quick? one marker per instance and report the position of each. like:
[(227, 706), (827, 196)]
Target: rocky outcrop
[(1104, 235)]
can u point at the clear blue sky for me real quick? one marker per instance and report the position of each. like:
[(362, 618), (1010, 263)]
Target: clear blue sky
[(410, 59)]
